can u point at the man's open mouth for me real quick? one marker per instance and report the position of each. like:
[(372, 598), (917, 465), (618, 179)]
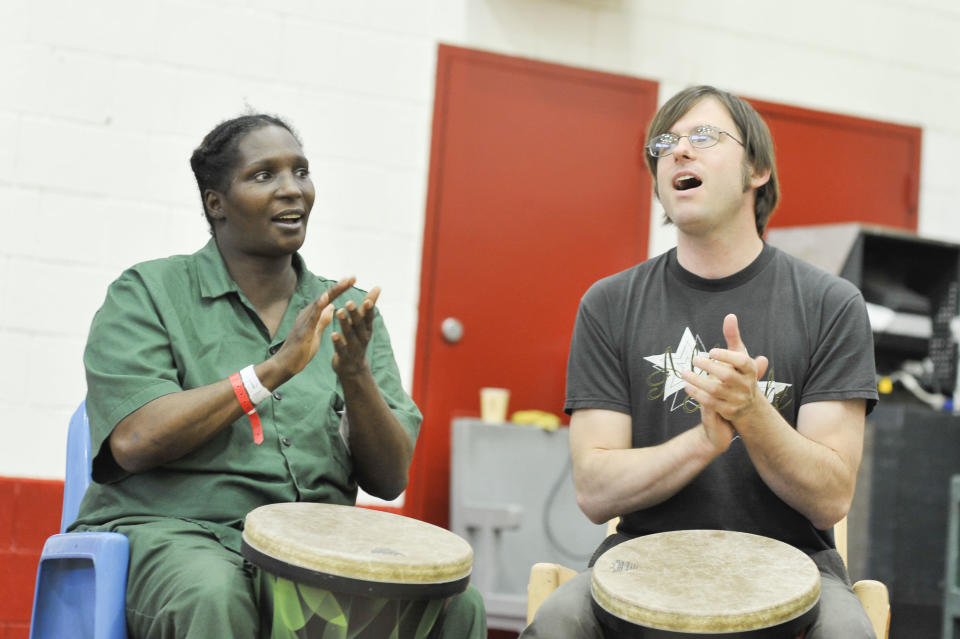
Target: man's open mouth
[(685, 182)]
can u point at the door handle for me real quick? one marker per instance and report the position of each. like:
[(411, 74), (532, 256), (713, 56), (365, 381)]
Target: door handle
[(452, 330)]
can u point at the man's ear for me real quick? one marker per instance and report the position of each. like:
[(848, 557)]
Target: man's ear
[(213, 202), (758, 179)]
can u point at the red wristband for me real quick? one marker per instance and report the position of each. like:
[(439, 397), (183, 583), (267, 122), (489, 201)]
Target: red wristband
[(247, 406)]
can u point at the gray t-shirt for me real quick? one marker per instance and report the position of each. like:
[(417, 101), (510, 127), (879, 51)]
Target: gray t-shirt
[(637, 330)]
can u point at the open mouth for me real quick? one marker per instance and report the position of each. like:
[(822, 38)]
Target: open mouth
[(291, 217), (687, 182)]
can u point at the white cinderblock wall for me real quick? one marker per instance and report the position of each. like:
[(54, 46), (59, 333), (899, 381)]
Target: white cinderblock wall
[(101, 103)]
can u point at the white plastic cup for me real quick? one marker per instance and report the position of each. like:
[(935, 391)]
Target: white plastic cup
[(493, 404)]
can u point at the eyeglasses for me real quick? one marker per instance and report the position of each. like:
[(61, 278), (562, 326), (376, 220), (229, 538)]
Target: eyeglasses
[(702, 137)]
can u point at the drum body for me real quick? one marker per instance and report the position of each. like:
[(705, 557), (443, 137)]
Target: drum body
[(705, 583), (341, 572)]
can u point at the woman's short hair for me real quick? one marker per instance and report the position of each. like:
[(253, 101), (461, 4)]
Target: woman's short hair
[(216, 157), (757, 141)]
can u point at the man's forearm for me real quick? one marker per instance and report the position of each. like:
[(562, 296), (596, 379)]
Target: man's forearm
[(614, 481), (814, 479)]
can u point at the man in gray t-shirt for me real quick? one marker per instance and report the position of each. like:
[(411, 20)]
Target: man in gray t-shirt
[(723, 384)]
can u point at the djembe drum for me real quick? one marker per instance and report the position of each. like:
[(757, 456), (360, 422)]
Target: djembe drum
[(705, 583), (342, 572)]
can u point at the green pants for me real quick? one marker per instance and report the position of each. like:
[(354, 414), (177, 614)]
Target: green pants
[(184, 583)]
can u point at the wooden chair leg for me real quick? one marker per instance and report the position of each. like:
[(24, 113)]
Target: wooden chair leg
[(544, 579)]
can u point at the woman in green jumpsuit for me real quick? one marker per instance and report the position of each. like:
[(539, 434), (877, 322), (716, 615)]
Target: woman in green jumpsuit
[(177, 463)]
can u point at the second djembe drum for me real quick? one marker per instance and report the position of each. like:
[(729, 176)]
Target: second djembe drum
[(705, 583)]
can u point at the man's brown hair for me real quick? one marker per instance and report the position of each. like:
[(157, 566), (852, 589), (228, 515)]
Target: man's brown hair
[(754, 134)]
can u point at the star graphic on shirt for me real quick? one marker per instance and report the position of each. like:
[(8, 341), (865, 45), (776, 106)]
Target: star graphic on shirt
[(674, 361), (772, 388)]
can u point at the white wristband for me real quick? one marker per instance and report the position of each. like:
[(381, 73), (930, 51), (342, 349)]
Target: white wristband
[(257, 391)]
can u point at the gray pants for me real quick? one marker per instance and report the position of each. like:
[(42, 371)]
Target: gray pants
[(566, 614)]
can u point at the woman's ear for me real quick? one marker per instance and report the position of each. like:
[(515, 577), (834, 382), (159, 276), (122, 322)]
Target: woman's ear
[(213, 201)]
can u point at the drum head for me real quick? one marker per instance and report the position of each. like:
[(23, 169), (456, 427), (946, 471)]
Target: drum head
[(357, 550), (704, 582)]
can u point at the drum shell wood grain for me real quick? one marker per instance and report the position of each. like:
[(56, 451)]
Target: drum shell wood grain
[(701, 583)]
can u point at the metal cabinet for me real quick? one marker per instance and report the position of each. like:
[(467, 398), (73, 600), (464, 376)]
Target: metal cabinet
[(511, 497)]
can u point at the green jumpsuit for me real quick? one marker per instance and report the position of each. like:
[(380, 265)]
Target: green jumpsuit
[(179, 323)]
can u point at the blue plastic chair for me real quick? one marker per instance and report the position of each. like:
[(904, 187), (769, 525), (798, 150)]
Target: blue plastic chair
[(82, 576)]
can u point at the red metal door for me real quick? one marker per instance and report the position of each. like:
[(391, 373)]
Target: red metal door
[(537, 189), (837, 168)]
